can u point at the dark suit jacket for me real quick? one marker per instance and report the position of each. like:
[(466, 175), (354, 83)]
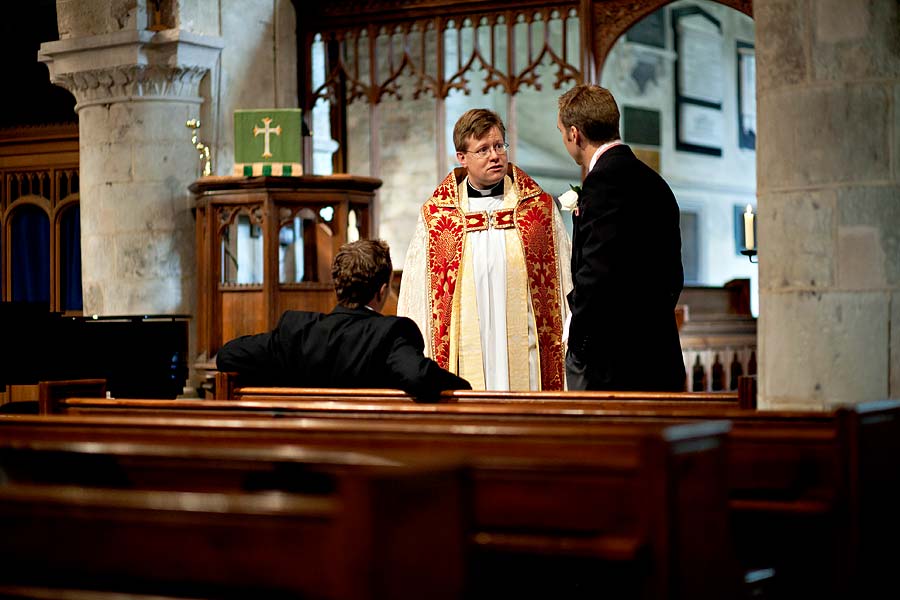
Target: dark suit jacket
[(627, 274), (347, 348)]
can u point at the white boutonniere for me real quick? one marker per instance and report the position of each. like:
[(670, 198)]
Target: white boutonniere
[(569, 200)]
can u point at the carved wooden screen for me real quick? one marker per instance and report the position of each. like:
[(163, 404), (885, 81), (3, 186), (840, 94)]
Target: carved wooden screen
[(368, 49), (357, 36)]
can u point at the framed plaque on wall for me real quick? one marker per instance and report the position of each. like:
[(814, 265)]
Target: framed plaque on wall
[(699, 81), (746, 95)]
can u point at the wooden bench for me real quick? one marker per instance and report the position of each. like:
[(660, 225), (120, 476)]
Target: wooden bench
[(227, 387), (570, 510), (118, 518), (816, 481), (662, 399), (51, 393)]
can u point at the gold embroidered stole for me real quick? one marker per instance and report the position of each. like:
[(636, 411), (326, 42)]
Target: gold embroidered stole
[(531, 268), (534, 221)]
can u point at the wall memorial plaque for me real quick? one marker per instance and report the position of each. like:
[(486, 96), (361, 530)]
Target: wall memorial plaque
[(699, 81)]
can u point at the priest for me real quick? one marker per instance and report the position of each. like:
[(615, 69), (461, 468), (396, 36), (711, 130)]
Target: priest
[(486, 274)]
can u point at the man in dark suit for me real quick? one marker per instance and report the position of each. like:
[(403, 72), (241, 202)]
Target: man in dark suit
[(353, 346), (626, 257)]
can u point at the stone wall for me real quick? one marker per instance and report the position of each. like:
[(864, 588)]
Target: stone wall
[(258, 67), (828, 91)]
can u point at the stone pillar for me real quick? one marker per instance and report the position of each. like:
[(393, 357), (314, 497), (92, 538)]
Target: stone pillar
[(828, 171), (134, 89)]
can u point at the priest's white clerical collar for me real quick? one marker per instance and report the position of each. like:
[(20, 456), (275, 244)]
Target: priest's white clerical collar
[(495, 190)]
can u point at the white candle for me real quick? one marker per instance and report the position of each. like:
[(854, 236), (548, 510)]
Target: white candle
[(749, 241)]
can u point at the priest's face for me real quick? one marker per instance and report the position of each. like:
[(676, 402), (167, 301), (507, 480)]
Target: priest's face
[(485, 171)]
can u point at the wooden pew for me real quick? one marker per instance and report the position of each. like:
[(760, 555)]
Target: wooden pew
[(50, 393), (285, 406), (567, 510), (228, 387), (122, 518), (823, 477), (785, 456)]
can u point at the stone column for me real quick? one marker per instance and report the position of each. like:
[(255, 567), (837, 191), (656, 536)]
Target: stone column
[(134, 89), (828, 170)]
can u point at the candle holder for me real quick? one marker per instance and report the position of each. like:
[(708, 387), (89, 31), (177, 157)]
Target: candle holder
[(749, 234), (202, 149)]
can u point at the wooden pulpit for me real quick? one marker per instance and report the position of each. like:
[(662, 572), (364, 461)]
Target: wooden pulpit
[(265, 245)]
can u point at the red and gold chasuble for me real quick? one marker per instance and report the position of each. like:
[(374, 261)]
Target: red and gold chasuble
[(532, 217)]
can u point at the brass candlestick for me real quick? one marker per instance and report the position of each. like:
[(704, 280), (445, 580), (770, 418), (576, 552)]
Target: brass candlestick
[(203, 149)]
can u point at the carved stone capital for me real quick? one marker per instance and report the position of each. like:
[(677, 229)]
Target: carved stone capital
[(124, 83), (131, 66)]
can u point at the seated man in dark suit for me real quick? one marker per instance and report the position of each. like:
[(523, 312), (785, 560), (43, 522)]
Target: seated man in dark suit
[(353, 346)]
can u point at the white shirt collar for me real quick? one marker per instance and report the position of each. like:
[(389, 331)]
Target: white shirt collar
[(601, 150)]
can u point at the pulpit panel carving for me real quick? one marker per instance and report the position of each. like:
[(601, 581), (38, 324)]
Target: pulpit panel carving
[(241, 243), (306, 242)]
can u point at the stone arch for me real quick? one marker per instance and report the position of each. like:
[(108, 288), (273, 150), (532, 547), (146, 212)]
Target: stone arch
[(610, 20)]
